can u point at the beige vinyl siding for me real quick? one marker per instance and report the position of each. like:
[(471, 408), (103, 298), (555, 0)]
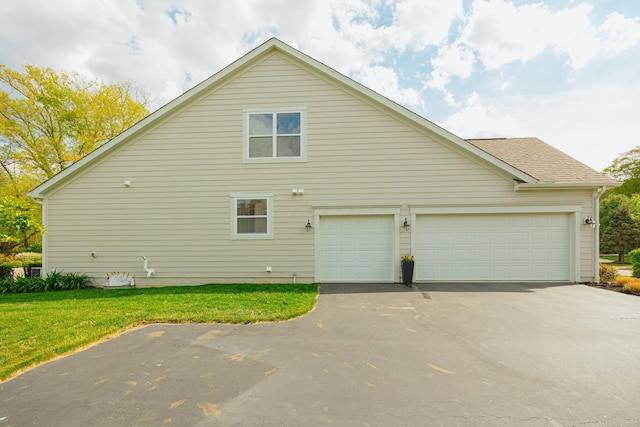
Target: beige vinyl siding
[(184, 170)]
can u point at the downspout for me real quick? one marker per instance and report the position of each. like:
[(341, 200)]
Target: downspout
[(45, 262), (596, 235)]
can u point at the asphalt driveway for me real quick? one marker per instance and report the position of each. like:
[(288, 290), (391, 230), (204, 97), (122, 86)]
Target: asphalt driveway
[(368, 355)]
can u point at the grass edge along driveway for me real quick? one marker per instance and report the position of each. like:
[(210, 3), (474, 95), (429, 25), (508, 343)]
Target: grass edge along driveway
[(35, 328)]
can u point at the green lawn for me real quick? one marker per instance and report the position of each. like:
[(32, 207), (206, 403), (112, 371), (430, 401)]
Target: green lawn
[(614, 258), (37, 327)]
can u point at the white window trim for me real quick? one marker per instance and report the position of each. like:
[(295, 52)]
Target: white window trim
[(234, 217), (303, 135)]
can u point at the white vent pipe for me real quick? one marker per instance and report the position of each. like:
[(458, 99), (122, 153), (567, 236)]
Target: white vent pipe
[(150, 271)]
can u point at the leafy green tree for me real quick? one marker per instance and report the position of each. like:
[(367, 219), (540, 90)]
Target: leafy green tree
[(17, 223), (629, 187), (621, 233), (626, 166), (611, 202), (49, 120)]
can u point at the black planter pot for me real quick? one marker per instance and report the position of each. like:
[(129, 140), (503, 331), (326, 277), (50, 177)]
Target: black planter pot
[(407, 273)]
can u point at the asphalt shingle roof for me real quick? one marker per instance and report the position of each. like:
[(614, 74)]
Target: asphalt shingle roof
[(541, 161)]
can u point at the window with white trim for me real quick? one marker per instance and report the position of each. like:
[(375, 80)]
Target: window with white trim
[(274, 135), (252, 216)]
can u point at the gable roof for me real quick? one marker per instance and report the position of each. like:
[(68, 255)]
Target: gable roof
[(542, 161), (274, 45)]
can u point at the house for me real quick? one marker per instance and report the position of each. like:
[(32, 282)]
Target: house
[(280, 169)]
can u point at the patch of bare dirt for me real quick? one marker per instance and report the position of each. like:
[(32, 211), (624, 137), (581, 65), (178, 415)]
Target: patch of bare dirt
[(611, 287), (607, 286)]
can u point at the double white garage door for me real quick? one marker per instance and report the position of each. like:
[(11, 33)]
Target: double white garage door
[(465, 247)]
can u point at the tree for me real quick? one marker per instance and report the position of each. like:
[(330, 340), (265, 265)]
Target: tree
[(17, 223), (621, 233), (629, 187), (49, 120), (611, 202), (625, 166)]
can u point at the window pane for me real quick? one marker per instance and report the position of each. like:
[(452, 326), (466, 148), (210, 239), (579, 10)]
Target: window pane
[(250, 207), (252, 225), (288, 146), (260, 124), (288, 123), (260, 146)]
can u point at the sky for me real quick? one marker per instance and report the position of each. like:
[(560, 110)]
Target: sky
[(567, 72)]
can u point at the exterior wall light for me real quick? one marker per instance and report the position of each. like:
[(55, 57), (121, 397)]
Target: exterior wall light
[(406, 224), (590, 221), (308, 227)]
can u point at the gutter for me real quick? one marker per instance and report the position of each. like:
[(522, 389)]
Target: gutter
[(551, 185), (43, 202), (596, 235)]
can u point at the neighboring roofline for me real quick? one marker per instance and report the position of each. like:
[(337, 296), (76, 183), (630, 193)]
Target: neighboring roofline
[(267, 47), (551, 182)]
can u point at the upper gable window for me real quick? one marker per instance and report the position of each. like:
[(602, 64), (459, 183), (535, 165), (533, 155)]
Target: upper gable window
[(275, 135)]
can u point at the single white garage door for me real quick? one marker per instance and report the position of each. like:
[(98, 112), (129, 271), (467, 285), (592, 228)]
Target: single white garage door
[(356, 248), (504, 247)]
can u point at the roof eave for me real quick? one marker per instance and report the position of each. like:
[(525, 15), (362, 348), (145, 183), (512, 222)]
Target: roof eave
[(41, 190), (274, 44), (408, 114), (564, 185)]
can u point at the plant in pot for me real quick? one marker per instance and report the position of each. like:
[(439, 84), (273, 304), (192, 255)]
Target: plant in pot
[(407, 263)]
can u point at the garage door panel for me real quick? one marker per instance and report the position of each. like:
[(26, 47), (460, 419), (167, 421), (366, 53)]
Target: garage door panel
[(493, 247), (556, 253), (428, 256), (462, 239), (501, 238), (481, 270), (520, 221), (521, 271), (444, 270), (356, 248), (464, 271), (478, 222), (463, 253), (519, 255), (558, 270), (520, 238), (541, 238), (501, 272), (481, 238), (445, 255), (481, 255), (558, 238), (443, 238), (540, 255), (364, 241)]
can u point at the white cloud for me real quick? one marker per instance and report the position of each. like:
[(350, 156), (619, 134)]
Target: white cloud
[(422, 23), (454, 60), (501, 33), (385, 81), (483, 119), (619, 33), (167, 46), (593, 125)]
